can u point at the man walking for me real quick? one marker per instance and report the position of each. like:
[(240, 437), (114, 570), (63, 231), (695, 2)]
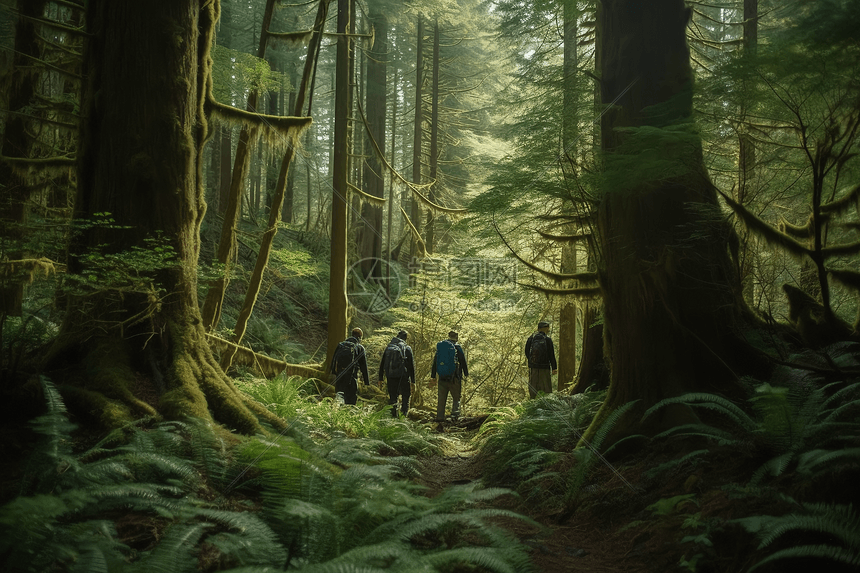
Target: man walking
[(449, 363), (349, 359), (541, 358), (398, 366)]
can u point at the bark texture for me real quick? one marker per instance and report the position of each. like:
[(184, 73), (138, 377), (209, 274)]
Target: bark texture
[(134, 343), (671, 298)]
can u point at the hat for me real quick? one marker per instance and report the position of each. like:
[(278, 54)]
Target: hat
[(543, 324), (453, 335), (402, 335)]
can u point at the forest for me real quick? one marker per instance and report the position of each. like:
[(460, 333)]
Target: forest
[(201, 200)]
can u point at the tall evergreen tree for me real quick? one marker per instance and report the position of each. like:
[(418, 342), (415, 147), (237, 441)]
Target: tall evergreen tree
[(133, 329)]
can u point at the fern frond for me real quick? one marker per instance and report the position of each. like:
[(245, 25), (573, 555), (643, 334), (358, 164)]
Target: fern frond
[(840, 523), (174, 552), (711, 402), (828, 552), (774, 467), (487, 559), (721, 437), (609, 424), (666, 466), (849, 394), (810, 462)]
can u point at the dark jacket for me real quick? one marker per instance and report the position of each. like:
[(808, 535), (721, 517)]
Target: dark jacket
[(462, 367), (410, 361), (551, 365), (360, 364)]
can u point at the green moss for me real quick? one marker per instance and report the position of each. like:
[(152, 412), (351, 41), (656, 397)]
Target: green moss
[(107, 413)]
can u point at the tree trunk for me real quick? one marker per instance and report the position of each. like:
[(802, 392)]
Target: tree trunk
[(21, 84), (434, 140), (337, 302), (418, 126), (747, 155), (670, 297), (289, 199), (232, 213), (268, 237), (133, 344), (376, 111), (567, 315)]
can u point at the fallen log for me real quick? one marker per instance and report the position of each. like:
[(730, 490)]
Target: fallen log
[(265, 366)]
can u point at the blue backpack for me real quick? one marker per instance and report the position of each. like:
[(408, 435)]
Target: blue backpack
[(446, 358)]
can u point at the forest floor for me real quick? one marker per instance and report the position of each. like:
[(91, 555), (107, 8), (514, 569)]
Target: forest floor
[(622, 522)]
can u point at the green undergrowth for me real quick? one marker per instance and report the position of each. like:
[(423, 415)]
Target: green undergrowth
[(524, 444), (187, 496)]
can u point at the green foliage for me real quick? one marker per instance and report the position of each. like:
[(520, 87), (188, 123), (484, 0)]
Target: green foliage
[(831, 533), (149, 469), (532, 436), (131, 270), (587, 456), (802, 426), (316, 516), (235, 72), (294, 398), (668, 505)]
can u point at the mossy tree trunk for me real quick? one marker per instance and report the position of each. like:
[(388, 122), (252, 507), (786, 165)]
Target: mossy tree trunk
[(671, 300), (232, 208), (134, 344), (20, 89)]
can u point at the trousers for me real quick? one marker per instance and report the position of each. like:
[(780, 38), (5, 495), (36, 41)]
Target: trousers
[(452, 385)]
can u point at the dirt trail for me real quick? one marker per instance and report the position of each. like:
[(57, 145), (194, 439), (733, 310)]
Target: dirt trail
[(557, 547)]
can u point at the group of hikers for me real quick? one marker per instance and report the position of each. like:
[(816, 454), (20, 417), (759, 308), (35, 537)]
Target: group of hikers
[(397, 366)]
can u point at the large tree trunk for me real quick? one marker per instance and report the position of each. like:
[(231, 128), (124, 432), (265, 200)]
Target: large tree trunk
[(134, 344), (337, 321), (670, 296)]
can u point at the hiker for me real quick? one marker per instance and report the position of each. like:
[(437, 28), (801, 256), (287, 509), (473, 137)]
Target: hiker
[(541, 357), (449, 363), (398, 367), (349, 358)]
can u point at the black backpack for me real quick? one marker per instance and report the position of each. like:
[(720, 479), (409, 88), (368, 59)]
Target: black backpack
[(395, 360), (539, 354), (345, 355)]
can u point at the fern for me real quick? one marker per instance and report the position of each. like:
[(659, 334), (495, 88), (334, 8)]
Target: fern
[(529, 438), (839, 524), (710, 402), (587, 457)]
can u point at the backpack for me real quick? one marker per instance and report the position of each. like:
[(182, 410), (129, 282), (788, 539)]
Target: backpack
[(395, 360), (538, 355), (344, 356), (446, 358)]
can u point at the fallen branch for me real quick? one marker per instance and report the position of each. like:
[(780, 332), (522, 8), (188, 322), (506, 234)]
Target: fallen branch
[(264, 365)]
